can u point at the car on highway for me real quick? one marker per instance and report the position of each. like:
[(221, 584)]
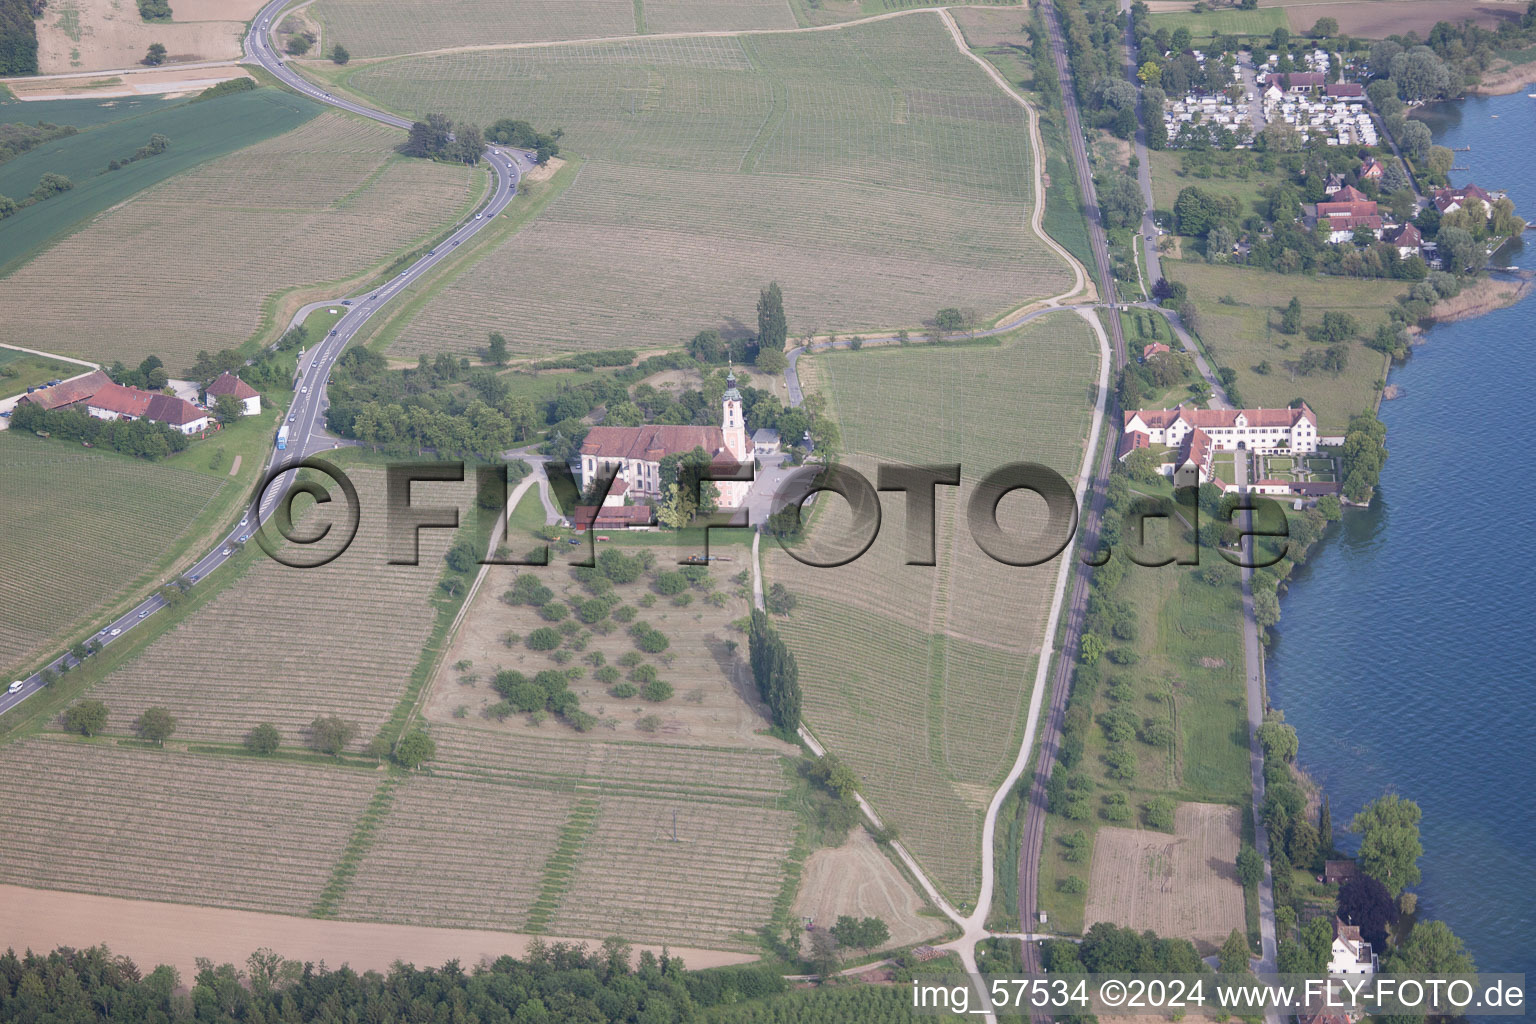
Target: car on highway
[(143, 612), (115, 632), (15, 687), (291, 416), (193, 578), (333, 333), (403, 273), (228, 552), (245, 519), (479, 215), (431, 252), (346, 302), (244, 537), (305, 390)]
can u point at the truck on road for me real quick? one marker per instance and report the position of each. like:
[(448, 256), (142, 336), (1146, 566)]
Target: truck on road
[(282, 437)]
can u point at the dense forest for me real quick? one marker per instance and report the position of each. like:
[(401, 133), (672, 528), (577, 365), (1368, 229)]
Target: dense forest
[(18, 38)]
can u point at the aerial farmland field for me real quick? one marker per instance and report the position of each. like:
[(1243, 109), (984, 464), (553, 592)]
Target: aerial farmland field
[(131, 516), (715, 162), (341, 639), (918, 676), (370, 29), (154, 824), (328, 201)]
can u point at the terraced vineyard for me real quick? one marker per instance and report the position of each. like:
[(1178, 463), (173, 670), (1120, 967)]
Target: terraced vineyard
[(78, 528), (714, 884), (371, 28), (918, 675), (161, 825), (483, 872), (328, 200), (574, 838), (341, 639), (875, 171)]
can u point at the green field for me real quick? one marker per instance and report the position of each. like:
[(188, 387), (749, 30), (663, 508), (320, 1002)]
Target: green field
[(369, 28), (1246, 334), (919, 676), (1260, 22), (714, 164), (81, 528), (82, 113), (199, 132), (22, 370)]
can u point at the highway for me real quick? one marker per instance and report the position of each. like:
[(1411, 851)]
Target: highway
[(306, 416)]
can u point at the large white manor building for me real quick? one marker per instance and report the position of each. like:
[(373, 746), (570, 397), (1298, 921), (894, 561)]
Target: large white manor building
[(1192, 436), (637, 452)]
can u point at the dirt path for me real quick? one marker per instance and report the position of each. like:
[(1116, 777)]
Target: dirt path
[(234, 470), (176, 934)]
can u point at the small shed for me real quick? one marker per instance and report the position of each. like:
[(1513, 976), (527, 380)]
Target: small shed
[(765, 442)]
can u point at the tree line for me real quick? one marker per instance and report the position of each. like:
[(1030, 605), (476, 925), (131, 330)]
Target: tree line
[(18, 38), (139, 438), (553, 982), (775, 672), (439, 138)]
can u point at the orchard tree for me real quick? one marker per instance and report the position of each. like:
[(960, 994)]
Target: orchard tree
[(155, 55), (330, 734), (155, 724), (264, 739), (415, 749), (339, 54), (496, 349), (1250, 867), (87, 717)]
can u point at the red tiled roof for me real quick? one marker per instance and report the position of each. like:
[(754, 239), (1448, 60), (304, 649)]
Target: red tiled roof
[(147, 405), (1132, 440), (229, 384), (1197, 448), (1303, 79), (69, 392), (1370, 221), (1205, 418), (1333, 209), (651, 443), (1349, 194), (611, 517), (1344, 89), (121, 400), (1153, 349)]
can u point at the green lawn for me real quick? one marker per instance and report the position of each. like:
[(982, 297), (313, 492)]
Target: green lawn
[(1244, 335), (198, 132), (1168, 179), (1262, 21), (22, 370)]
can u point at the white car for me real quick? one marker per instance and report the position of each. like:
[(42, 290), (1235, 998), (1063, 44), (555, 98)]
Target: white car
[(15, 687), (228, 552), (479, 215), (306, 391), (245, 519), (115, 632), (143, 613)]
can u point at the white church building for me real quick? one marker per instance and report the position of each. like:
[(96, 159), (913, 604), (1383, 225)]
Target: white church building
[(636, 453)]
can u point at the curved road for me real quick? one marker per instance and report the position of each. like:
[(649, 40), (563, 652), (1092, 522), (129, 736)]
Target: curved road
[(306, 416)]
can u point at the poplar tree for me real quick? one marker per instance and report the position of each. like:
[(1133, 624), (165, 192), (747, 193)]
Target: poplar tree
[(772, 327)]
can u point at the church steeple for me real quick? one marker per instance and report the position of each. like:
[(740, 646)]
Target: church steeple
[(732, 422)]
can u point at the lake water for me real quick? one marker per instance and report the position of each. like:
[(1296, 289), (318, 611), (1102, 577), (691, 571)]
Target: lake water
[(1406, 652)]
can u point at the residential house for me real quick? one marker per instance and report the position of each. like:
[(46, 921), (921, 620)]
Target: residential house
[(1449, 200), (1407, 239), (229, 384), (1332, 184), (1303, 83), (1350, 92), (1372, 170), (1154, 349), (113, 401), (1351, 954)]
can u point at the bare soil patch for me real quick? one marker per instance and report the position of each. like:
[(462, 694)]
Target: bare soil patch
[(94, 35), (159, 82), (858, 880), (992, 26), (172, 933), (1181, 886)]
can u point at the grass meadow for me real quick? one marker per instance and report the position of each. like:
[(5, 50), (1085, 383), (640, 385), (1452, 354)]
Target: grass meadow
[(918, 676), (198, 261), (1259, 22), (393, 27), (22, 370), (875, 172), (1245, 334), (199, 132), (81, 528)]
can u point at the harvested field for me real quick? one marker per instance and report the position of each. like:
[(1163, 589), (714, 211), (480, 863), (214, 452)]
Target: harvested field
[(176, 934), (372, 28), (328, 200), (186, 828), (170, 83), (341, 639), (1180, 886), (61, 501), (984, 27), (712, 158), (917, 676), (1375, 19), (858, 880), (716, 15), (95, 35)]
